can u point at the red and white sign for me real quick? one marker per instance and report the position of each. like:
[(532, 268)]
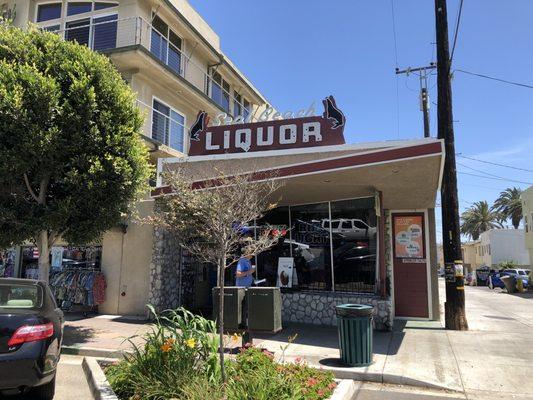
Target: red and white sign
[(325, 130)]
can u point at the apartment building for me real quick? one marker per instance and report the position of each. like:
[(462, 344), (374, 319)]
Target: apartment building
[(499, 245), (360, 217), (527, 211), (173, 61), (472, 255)]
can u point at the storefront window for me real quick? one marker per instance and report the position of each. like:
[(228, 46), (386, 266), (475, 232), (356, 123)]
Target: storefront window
[(267, 262), (311, 250), (344, 232), (7, 263), (353, 226)]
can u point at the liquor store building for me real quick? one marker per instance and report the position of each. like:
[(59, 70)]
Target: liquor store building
[(360, 222)]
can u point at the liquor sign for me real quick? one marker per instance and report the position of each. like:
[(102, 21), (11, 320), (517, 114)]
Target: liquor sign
[(278, 134)]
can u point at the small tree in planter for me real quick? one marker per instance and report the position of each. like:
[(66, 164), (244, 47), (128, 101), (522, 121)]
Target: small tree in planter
[(208, 219)]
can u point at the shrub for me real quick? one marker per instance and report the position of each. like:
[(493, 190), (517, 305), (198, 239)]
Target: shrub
[(180, 347), (179, 360)]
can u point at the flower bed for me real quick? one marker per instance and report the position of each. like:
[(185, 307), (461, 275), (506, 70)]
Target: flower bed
[(179, 360)]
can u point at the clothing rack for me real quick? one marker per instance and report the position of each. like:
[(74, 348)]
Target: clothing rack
[(78, 289)]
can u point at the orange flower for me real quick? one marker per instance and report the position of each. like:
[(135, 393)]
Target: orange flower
[(332, 385), (167, 346), (311, 382), (320, 392)]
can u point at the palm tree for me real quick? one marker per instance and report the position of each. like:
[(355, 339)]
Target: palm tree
[(479, 218), (509, 205)]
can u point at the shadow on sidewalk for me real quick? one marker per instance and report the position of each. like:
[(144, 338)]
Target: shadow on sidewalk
[(75, 335), (322, 336)]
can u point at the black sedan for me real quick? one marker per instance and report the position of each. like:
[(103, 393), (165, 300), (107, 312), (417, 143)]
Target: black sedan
[(31, 330)]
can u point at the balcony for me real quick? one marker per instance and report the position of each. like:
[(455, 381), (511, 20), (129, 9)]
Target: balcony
[(109, 34)]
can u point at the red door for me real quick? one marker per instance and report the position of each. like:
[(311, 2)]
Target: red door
[(409, 265)]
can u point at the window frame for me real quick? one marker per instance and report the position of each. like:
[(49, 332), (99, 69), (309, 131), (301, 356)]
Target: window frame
[(64, 18), (222, 91), (54, 21), (168, 43), (171, 109)]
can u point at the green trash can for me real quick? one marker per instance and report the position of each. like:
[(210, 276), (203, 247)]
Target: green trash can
[(354, 323)]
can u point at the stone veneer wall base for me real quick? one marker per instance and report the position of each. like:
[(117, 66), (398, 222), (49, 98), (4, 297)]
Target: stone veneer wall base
[(319, 308)]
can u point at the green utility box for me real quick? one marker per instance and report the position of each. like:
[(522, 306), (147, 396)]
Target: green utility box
[(354, 323), (233, 298), (264, 309)]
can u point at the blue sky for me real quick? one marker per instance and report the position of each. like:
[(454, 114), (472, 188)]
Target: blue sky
[(299, 51)]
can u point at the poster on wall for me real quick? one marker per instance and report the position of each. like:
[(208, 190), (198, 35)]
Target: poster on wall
[(409, 240), (285, 272)]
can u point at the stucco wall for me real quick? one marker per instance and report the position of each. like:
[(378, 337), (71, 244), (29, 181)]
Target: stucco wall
[(434, 265), (527, 211), (505, 245), (126, 260)]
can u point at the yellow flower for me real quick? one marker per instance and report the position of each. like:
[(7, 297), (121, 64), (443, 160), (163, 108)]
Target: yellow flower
[(191, 343), (235, 337)]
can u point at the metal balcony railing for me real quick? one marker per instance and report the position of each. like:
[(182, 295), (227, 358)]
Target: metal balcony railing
[(164, 125), (109, 32)]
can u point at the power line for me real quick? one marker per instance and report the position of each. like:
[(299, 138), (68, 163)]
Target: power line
[(494, 79), (490, 177), (394, 32), (493, 163), (396, 60), (486, 187), (456, 31), (480, 171)]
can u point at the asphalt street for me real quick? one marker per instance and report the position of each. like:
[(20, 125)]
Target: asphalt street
[(71, 383)]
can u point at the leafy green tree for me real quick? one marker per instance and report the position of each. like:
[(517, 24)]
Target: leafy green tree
[(509, 205), (71, 158), (479, 218)]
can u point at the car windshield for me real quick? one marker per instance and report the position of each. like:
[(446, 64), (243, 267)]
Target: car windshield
[(522, 272), (14, 295)]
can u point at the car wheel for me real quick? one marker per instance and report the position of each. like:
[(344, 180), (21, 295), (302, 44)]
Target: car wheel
[(44, 392)]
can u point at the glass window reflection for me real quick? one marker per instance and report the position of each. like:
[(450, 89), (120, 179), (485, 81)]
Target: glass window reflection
[(311, 250), (354, 245)]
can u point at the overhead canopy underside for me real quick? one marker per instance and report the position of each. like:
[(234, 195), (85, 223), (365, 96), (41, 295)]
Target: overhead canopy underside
[(407, 173)]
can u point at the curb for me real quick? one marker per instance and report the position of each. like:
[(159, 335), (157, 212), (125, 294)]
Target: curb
[(100, 388), (92, 352), (342, 374), (376, 377), (345, 390)]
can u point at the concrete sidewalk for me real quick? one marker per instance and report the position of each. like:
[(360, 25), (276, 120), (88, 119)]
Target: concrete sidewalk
[(494, 358)]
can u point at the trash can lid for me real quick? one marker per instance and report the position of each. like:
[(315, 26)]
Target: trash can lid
[(354, 310)]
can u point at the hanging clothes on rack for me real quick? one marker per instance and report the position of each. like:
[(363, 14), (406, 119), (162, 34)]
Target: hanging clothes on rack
[(80, 287)]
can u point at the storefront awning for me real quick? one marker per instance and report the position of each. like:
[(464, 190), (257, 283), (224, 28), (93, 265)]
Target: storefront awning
[(408, 173)]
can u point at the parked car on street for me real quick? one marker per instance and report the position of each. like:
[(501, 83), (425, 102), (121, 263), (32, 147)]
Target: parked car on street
[(31, 331), (495, 277)]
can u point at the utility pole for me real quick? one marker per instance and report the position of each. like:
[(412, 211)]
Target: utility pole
[(424, 97), (455, 316)]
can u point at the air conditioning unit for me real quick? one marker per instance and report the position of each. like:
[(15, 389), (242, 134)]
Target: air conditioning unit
[(264, 309), (233, 298)]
